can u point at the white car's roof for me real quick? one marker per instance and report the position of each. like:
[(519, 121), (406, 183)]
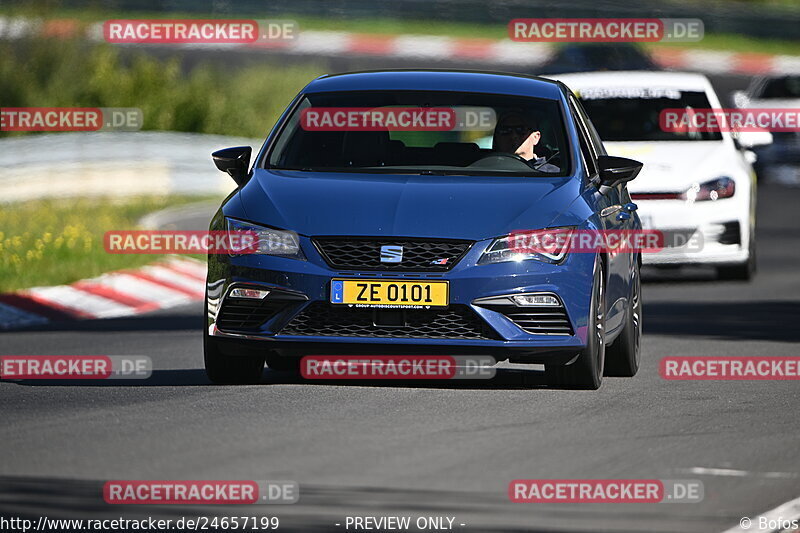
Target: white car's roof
[(684, 81)]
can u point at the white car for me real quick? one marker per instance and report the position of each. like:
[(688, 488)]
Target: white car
[(697, 187)]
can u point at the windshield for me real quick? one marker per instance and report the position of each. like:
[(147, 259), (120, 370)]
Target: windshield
[(632, 114), (785, 87), (423, 132)]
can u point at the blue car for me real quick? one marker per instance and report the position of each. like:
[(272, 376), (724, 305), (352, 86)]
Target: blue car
[(388, 206)]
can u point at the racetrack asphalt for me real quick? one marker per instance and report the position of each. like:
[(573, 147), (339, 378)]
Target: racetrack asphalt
[(427, 448)]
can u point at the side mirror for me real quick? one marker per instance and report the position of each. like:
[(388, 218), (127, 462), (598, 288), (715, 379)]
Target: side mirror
[(234, 161), (615, 170), (749, 139), (740, 98)]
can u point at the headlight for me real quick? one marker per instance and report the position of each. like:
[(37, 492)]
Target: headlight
[(722, 187), (270, 241), (548, 245)]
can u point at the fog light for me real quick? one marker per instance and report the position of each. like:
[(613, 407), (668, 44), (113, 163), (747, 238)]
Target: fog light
[(531, 300), (253, 294)]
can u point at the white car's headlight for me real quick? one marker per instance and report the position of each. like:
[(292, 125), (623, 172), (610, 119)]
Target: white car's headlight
[(270, 241), (548, 246), (716, 189)]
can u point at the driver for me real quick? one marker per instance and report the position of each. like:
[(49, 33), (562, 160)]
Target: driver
[(517, 134)]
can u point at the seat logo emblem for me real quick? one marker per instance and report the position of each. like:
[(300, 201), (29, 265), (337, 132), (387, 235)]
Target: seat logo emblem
[(391, 254)]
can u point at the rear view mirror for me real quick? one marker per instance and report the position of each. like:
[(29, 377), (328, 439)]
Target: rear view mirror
[(615, 170), (234, 161)]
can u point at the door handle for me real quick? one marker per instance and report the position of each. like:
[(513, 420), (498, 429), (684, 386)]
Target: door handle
[(610, 210)]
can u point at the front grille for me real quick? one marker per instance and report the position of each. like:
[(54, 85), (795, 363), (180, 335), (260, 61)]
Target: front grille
[(323, 319), (246, 314), (537, 320), (350, 253)]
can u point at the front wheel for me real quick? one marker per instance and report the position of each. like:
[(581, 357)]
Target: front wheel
[(224, 369), (586, 372), (742, 272), (622, 357)]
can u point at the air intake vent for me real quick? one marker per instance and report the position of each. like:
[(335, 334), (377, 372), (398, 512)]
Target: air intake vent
[(239, 314), (323, 319), (545, 320)]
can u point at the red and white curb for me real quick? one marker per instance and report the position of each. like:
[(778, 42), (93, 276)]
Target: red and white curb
[(429, 47), (169, 283)]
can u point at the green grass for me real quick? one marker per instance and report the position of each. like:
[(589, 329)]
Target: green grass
[(388, 26), (207, 99), (51, 242)]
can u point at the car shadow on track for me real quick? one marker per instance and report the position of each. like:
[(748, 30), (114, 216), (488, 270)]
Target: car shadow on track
[(504, 379), (683, 275), (746, 320)]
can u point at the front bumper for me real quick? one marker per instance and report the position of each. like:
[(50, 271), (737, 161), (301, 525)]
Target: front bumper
[(306, 286), (698, 233)]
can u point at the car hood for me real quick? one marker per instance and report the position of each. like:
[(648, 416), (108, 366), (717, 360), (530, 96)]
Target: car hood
[(674, 166), (459, 207)]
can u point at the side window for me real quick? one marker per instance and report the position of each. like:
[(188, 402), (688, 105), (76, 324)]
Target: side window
[(599, 149), (594, 137), (589, 156)]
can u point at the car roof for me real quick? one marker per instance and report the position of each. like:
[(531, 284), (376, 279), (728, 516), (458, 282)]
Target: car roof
[(439, 80), (686, 81)]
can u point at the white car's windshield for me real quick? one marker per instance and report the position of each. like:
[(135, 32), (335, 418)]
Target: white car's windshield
[(786, 87), (631, 114)]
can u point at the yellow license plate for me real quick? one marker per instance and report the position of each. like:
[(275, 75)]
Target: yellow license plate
[(390, 294)]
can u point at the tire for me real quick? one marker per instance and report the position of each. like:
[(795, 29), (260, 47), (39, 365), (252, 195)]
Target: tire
[(226, 369), (586, 372), (623, 355), (283, 364), (742, 272)]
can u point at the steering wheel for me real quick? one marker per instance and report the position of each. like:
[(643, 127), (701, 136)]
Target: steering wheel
[(493, 159)]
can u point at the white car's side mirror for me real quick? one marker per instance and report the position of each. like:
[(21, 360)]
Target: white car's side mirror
[(740, 99), (749, 139)]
